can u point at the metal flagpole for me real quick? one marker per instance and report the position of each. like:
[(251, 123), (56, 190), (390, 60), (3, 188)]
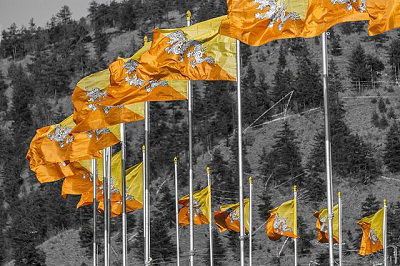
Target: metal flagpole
[(144, 197), (250, 221), (328, 158), (105, 196), (384, 233), (295, 224), (239, 103), (190, 105), (123, 178), (340, 228), (146, 183), (176, 211), (210, 214), (109, 152), (94, 178)]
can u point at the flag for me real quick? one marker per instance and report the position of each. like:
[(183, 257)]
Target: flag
[(89, 110), (372, 229), (282, 221), (228, 217), (127, 87), (322, 225), (256, 22), (50, 172), (201, 208), (196, 52), (134, 182), (57, 143), (384, 15)]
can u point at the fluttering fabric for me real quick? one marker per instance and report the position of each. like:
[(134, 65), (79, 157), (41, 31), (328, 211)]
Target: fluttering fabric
[(322, 225), (282, 221), (228, 217), (372, 233), (201, 208)]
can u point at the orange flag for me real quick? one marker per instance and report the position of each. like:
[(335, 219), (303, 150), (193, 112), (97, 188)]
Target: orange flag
[(256, 22), (282, 221), (196, 52), (322, 225), (384, 15), (372, 237), (201, 207), (228, 217)]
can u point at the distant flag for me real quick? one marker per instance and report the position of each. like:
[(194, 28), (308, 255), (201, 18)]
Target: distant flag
[(228, 217), (322, 225), (196, 52), (384, 15), (282, 221), (201, 207), (372, 229), (256, 22)]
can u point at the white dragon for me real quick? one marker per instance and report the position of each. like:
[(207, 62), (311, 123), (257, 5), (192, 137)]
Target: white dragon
[(274, 13), (233, 216), (179, 45), (280, 225), (361, 7), (61, 135), (373, 237)]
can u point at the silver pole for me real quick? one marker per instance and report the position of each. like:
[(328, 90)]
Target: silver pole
[(384, 233), (210, 214), (340, 228), (105, 196), (109, 152), (123, 178), (146, 183), (295, 224), (239, 103), (177, 212), (144, 197), (328, 158), (94, 178), (190, 105), (250, 221)]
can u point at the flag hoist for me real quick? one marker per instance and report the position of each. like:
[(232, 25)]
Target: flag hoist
[(146, 184), (123, 194), (105, 194), (295, 223), (177, 212), (210, 217), (340, 229), (250, 220), (94, 178)]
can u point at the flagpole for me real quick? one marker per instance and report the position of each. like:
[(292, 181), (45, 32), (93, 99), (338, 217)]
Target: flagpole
[(176, 212), (295, 224), (105, 196), (123, 177), (340, 228), (328, 158), (94, 178), (144, 197), (109, 152), (146, 184), (384, 233), (190, 105), (250, 221), (239, 103), (210, 214)]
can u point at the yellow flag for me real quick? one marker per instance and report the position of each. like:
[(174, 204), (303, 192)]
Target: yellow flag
[(228, 217), (134, 182), (384, 15), (322, 224), (283, 221), (201, 207), (372, 238)]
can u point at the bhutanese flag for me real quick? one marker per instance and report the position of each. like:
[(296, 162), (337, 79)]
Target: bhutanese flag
[(322, 225), (372, 237), (256, 22), (196, 52), (57, 143), (201, 208), (128, 87), (384, 15), (228, 217), (91, 113), (282, 221)]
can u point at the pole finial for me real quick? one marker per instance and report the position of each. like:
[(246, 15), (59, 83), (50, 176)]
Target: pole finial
[(143, 148), (176, 160), (188, 15), (251, 180), (145, 39), (338, 194), (208, 170), (384, 202), (294, 188)]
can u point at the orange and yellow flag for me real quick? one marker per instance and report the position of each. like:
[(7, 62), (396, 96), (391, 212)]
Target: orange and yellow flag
[(283, 221), (384, 15), (322, 225), (256, 22), (196, 52), (372, 229), (201, 207), (57, 143), (228, 217)]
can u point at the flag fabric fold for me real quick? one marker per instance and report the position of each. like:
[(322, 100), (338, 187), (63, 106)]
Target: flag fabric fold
[(372, 233), (322, 225), (201, 207), (228, 217), (384, 15), (282, 221), (196, 52)]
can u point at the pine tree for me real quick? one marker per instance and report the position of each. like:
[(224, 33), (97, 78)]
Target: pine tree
[(391, 155), (394, 58), (336, 49), (283, 78), (219, 253), (357, 69), (3, 88), (265, 204)]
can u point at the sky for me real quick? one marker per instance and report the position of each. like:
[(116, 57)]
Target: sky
[(21, 11)]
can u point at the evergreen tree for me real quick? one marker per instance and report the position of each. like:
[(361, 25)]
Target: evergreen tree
[(219, 253), (357, 69), (265, 204), (336, 49), (382, 106), (391, 156), (3, 88), (375, 119), (394, 58)]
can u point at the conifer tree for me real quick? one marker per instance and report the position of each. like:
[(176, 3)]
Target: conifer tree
[(391, 156), (283, 78), (394, 59), (3, 98), (336, 49), (219, 253), (357, 69), (265, 204)]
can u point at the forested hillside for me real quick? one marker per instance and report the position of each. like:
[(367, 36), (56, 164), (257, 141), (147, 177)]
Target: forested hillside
[(284, 146)]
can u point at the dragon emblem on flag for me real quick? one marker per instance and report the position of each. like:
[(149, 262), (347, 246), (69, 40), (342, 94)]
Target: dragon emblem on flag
[(280, 225), (61, 135), (196, 208), (233, 216), (274, 12), (98, 132), (361, 7), (179, 45), (324, 224), (373, 237), (95, 95)]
